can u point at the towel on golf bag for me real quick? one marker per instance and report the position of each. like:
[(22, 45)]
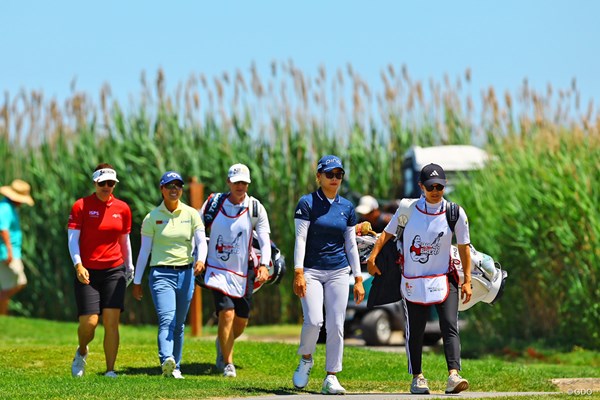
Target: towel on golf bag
[(385, 288)]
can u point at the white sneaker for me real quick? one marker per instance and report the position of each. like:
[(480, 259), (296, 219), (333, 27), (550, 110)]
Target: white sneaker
[(302, 373), (456, 384), (111, 374), (219, 362), (419, 385), (177, 374), (332, 386), (78, 365), (168, 366), (229, 371)]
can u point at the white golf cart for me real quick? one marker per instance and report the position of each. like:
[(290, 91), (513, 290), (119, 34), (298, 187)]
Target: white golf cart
[(455, 159)]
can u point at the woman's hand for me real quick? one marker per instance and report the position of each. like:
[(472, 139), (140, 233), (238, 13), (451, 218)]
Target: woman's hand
[(262, 275), (465, 291), (83, 275), (372, 268), (299, 285), (198, 268), (137, 292), (359, 290)]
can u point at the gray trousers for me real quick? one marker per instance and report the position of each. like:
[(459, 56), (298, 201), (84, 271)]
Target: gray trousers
[(416, 316), (330, 288)]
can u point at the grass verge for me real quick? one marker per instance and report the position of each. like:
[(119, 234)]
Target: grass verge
[(36, 355)]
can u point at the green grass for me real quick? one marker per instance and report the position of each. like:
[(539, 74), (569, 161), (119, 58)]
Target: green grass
[(36, 355)]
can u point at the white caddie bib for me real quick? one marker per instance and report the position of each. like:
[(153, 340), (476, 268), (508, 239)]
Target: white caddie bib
[(426, 247), (227, 259)]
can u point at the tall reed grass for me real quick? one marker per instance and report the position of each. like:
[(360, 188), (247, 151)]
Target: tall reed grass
[(280, 126), (534, 209)]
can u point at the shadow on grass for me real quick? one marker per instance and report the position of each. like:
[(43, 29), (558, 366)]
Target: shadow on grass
[(280, 391), (204, 369), (186, 369)]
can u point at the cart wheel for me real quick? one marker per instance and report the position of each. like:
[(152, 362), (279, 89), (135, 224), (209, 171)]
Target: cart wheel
[(376, 328)]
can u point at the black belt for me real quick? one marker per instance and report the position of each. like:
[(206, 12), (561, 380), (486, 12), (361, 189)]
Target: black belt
[(175, 267)]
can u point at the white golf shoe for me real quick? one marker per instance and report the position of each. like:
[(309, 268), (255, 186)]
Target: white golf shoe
[(78, 365), (302, 373), (419, 385), (331, 385), (177, 374), (168, 366), (229, 371), (456, 384)]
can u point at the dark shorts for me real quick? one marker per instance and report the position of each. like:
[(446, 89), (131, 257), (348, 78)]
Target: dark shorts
[(241, 305), (106, 290)]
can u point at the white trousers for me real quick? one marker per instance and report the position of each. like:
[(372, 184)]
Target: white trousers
[(332, 289)]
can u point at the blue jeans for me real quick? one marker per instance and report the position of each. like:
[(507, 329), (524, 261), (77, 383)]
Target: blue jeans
[(172, 292)]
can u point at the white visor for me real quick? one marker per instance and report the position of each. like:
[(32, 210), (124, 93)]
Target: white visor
[(105, 174)]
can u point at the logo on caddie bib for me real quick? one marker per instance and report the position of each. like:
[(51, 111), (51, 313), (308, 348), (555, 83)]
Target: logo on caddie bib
[(420, 251), (225, 250)]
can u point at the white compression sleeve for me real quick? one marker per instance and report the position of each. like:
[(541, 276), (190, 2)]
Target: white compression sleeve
[(300, 247), (352, 250), (201, 246), (264, 242), (73, 237), (142, 259), (125, 243)]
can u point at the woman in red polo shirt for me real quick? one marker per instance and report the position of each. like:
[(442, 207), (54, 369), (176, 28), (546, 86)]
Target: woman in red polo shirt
[(99, 227)]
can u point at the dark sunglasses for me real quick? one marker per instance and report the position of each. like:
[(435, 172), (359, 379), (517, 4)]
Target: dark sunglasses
[(430, 188), (173, 186), (338, 175), (104, 183)]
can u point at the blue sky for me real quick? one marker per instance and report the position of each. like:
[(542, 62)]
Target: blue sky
[(45, 44)]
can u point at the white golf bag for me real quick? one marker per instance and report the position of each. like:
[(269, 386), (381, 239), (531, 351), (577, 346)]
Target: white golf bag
[(276, 265), (487, 278)]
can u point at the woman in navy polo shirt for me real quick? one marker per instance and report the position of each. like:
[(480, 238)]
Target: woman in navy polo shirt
[(325, 254)]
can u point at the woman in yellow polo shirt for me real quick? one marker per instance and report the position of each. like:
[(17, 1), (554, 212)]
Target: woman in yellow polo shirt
[(167, 233)]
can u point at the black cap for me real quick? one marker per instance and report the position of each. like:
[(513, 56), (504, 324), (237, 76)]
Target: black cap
[(432, 173)]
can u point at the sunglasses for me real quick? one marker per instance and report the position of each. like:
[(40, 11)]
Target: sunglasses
[(171, 186), (430, 188), (338, 175), (104, 183)]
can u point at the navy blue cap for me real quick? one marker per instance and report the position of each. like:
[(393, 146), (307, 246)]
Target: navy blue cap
[(328, 163), (170, 176), (432, 173)]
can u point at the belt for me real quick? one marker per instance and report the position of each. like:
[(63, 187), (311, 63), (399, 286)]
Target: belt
[(175, 267)]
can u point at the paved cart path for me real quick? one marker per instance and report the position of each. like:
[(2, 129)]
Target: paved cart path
[(401, 396)]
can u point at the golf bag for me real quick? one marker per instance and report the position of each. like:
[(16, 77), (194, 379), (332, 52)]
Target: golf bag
[(487, 278)]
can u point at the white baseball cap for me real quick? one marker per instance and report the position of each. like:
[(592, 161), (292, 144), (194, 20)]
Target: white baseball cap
[(366, 205), (239, 173)]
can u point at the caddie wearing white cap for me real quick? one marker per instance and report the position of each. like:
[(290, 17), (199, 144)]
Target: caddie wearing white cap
[(231, 217)]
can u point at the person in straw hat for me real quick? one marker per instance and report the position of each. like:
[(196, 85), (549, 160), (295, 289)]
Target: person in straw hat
[(12, 274)]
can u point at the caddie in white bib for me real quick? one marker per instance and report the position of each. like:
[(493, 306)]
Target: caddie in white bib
[(426, 248), (227, 260)]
